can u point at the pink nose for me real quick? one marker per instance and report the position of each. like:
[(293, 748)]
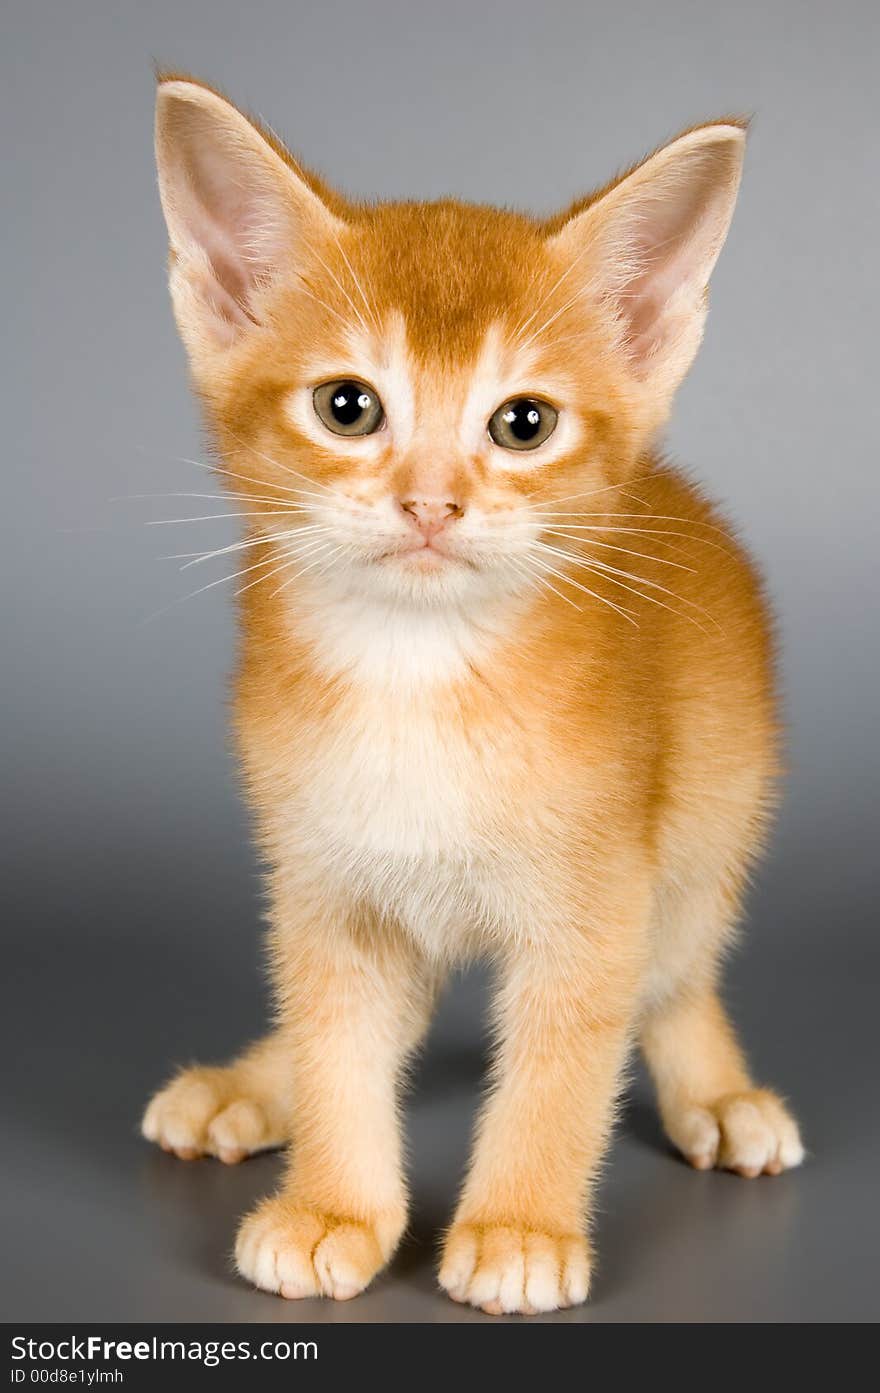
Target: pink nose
[(430, 515)]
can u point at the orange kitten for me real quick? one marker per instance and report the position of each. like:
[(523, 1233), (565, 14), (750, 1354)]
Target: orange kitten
[(506, 688)]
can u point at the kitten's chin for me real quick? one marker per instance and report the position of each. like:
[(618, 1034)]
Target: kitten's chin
[(424, 577)]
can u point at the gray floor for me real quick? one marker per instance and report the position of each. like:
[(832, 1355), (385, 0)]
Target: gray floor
[(117, 985)]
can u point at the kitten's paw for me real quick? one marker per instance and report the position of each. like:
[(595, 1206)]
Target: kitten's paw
[(297, 1252), (752, 1133), (213, 1112), (504, 1270)]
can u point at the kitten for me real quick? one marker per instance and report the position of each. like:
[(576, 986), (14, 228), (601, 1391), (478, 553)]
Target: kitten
[(506, 689)]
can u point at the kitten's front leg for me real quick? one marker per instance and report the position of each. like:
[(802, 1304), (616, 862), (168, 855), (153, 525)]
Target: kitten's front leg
[(354, 999), (519, 1241)]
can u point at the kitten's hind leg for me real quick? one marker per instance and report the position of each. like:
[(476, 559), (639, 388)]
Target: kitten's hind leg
[(711, 1110), (229, 1112)]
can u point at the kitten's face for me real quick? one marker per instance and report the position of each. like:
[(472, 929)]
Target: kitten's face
[(413, 380), (410, 397)]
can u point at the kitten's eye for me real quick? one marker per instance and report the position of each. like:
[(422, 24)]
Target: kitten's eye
[(348, 407), (523, 423)]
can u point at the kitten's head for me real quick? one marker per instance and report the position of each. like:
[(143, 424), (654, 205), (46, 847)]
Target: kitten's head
[(404, 393)]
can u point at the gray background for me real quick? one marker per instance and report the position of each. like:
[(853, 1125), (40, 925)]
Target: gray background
[(131, 937)]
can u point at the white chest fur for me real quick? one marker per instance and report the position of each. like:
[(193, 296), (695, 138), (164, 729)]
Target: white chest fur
[(404, 800), (393, 782), (389, 806)]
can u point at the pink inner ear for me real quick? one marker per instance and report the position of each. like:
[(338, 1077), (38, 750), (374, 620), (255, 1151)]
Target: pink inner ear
[(671, 235), (646, 300), (227, 313), (224, 205)]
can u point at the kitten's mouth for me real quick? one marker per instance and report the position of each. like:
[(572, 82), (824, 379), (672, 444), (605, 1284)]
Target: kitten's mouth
[(424, 557)]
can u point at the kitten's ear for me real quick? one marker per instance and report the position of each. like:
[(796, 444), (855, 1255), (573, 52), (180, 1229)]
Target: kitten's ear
[(235, 211), (649, 245)]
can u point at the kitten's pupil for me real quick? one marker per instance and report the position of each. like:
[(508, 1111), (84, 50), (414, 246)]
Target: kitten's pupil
[(349, 402), (522, 423), (523, 418), (348, 407)]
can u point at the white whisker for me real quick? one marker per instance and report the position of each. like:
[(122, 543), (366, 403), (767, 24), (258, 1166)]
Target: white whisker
[(270, 540), (217, 498), (661, 533), (341, 288), (578, 295), (652, 599), (323, 303), (222, 517), (371, 310), (325, 559), (589, 493), (552, 291), (531, 570), (610, 546), (285, 468), (316, 547), (210, 586), (262, 483), (521, 328), (611, 574), (639, 517), (569, 580), (249, 479), (603, 567)]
